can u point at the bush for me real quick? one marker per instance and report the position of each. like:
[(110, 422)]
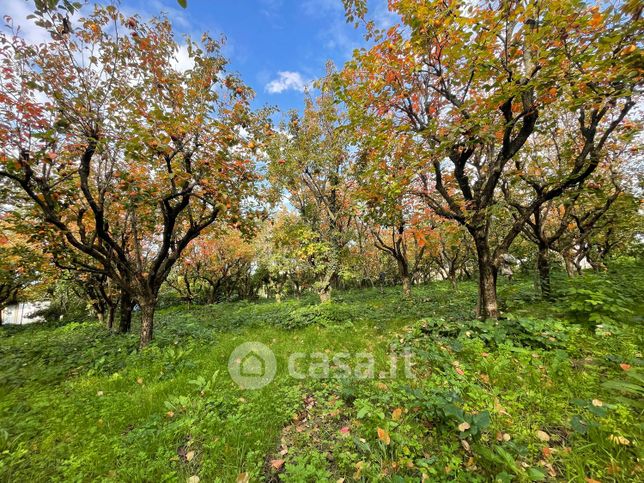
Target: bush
[(324, 315), (521, 331), (595, 300)]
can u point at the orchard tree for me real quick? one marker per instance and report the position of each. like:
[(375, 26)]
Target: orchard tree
[(23, 269), (128, 157), (213, 266), (468, 82), (384, 176), (548, 156), (310, 162)]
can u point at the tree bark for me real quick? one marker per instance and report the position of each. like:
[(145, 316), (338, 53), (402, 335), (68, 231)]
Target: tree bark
[(543, 267), (111, 312), (127, 305), (487, 306), (403, 268), (325, 293), (147, 321)]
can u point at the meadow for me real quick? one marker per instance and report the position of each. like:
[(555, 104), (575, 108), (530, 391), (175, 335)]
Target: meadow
[(551, 391)]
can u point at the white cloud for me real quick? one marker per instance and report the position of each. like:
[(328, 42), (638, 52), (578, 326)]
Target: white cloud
[(182, 60), (287, 80), (18, 11)]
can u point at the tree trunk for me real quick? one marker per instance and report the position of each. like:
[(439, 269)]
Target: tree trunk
[(451, 274), (543, 267), (147, 322), (325, 293), (111, 312), (570, 265), (127, 305), (487, 306)]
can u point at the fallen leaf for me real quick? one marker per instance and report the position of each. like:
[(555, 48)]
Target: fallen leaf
[(277, 464), (465, 445), (384, 436), (170, 414), (590, 480), (344, 429), (543, 436), (625, 367), (243, 478), (358, 466), (498, 408), (484, 354), (459, 371), (619, 440), (193, 479), (597, 403), (190, 455), (139, 380), (485, 378), (547, 452), (464, 426), (551, 470), (396, 414), (99, 393)]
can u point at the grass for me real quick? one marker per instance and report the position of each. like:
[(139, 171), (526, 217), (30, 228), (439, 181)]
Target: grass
[(77, 403)]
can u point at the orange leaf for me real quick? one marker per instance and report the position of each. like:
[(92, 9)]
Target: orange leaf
[(383, 436)]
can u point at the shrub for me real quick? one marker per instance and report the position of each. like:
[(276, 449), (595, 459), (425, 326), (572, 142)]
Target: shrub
[(324, 315), (594, 300)]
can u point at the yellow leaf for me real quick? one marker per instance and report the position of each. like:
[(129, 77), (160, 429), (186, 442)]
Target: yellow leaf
[(464, 426), (396, 414), (190, 455), (597, 403), (383, 436), (543, 436), (243, 478), (193, 479), (619, 440)]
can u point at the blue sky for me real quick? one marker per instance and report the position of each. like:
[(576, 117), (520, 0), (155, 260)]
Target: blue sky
[(278, 46)]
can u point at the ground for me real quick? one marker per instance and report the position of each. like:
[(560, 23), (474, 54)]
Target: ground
[(541, 395)]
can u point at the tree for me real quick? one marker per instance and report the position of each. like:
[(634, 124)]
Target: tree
[(310, 161), (384, 177), (467, 82), (124, 155), (551, 153), (22, 268), (219, 260)]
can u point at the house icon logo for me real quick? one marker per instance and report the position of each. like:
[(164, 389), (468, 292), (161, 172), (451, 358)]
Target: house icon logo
[(252, 365)]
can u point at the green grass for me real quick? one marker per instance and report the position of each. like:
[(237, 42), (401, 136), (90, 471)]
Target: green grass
[(79, 404)]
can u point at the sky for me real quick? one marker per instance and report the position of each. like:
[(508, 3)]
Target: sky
[(277, 46)]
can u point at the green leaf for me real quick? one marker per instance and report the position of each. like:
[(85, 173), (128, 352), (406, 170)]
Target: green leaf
[(183, 3), (536, 475)]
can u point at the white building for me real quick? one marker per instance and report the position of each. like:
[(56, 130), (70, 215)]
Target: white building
[(22, 313)]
